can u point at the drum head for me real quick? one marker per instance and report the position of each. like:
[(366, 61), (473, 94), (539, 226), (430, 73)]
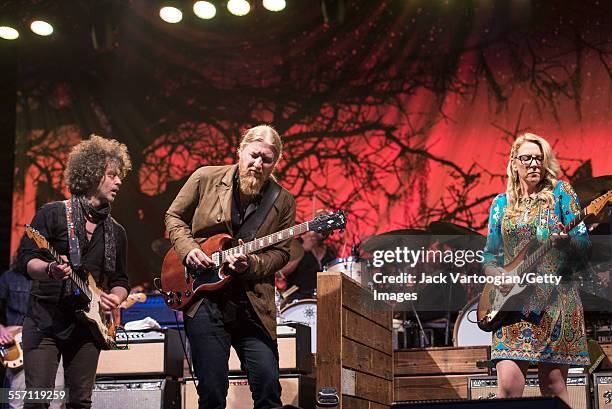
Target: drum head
[(467, 332), (304, 312), (347, 265)]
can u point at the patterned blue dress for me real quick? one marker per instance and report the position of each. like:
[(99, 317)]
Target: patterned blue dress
[(550, 327)]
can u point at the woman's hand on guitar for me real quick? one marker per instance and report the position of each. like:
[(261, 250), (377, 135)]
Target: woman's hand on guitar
[(561, 240), (5, 336), (196, 258), (109, 302), (57, 271), (238, 263)]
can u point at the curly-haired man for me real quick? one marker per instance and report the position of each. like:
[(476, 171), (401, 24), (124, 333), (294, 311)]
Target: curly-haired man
[(93, 175)]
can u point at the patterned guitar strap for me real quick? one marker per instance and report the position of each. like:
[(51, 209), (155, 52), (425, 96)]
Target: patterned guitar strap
[(73, 244), (543, 228)]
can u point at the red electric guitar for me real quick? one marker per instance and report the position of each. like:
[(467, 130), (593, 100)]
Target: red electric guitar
[(181, 285)]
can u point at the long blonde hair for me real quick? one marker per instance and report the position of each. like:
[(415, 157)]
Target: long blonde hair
[(263, 133), (550, 168)]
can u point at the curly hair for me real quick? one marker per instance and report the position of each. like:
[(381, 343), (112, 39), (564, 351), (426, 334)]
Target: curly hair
[(87, 163)]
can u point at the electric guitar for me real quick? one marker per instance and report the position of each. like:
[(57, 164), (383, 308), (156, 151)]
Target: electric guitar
[(11, 354), (493, 306), (127, 303), (181, 285), (101, 324)]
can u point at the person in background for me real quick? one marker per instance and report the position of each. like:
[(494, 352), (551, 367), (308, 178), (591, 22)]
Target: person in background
[(14, 295), (317, 254)]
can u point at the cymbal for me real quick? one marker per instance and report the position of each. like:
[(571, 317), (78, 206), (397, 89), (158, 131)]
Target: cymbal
[(447, 228), (589, 189), (396, 238), (296, 252), (469, 238)]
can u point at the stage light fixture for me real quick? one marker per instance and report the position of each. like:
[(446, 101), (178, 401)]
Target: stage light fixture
[(239, 7), (42, 28), (334, 11), (170, 14), (8, 33), (204, 9), (274, 5)]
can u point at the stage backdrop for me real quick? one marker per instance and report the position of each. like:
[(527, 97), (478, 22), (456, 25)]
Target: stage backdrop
[(400, 113)]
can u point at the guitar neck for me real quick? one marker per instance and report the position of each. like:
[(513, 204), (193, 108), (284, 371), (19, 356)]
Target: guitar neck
[(576, 221), (78, 281), (266, 241), (545, 248)]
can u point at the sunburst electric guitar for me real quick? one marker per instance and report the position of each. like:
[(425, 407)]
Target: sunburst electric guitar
[(493, 306), (100, 324), (181, 285)]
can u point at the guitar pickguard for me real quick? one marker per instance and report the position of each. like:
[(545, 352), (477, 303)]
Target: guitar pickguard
[(206, 276)]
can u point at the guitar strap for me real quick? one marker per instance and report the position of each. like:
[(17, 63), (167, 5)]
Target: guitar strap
[(543, 228), (74, 249), (250, 227), (73, 241)]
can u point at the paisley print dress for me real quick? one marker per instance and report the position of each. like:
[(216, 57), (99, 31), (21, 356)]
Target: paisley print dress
[(550, 327)]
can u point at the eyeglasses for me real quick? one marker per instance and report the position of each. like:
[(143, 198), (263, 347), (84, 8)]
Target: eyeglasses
[(526, 159)]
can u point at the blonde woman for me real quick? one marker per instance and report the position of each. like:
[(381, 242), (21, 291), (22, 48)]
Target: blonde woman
[(549, 330)]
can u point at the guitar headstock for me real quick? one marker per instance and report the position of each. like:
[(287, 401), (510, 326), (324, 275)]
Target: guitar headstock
[(133, 299), (328, 222), (36, 237), (598, 204)]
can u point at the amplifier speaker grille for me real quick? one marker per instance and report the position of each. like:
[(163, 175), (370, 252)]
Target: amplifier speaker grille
[(603, 390), (137, 394), (485, 387)]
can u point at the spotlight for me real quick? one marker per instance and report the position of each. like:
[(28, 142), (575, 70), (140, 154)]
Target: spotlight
[(8, 33), (238, 7), (204, 9), (170, 15), (42, 28), (274, 5)]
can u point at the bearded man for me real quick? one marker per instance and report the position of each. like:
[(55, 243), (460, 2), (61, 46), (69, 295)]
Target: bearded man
[(245, 201)]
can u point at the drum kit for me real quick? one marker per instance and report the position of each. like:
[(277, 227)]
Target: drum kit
[(415, 327), (304, 311)]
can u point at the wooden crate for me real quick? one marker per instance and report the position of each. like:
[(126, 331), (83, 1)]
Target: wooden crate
[(354, 343), (436, 373)]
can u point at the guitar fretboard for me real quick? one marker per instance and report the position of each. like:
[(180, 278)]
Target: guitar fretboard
[(42, 242), (531, 261), (263, 242)]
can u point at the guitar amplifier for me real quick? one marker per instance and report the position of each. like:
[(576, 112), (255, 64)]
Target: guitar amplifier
[(485, 387), (297, 390), (154, 307), (603, 390), (508, 403), (137, 394), (294, 354), (152, 353)]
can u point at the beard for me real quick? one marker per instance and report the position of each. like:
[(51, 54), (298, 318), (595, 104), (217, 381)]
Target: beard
[(250, 185)]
